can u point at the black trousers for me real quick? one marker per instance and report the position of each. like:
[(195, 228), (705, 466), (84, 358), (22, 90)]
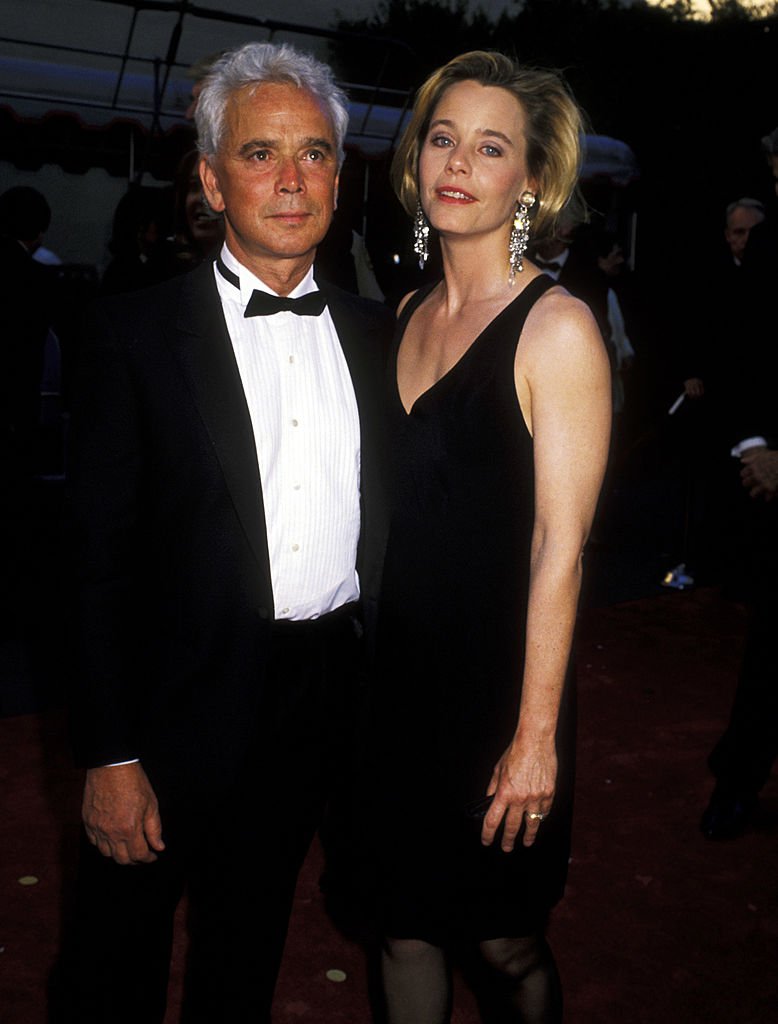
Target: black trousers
[(742, 759), (237, 855)]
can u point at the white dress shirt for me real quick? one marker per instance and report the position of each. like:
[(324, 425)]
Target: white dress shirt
[(306, 429)]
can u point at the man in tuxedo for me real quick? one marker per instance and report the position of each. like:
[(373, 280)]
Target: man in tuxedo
[(721, 275), (229, 522), (742, 759)]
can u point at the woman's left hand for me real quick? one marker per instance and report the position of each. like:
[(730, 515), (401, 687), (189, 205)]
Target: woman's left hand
[(523, 784)]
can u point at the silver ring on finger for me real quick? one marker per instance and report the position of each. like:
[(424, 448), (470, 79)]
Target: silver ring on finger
[(535, 816)]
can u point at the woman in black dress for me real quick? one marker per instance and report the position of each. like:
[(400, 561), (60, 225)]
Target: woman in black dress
[(500, 406)]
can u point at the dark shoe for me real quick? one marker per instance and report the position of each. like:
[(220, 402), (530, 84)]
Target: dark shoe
[(728, 814)]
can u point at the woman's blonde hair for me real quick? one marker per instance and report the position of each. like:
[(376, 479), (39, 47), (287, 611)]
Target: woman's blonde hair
[(553, 133)]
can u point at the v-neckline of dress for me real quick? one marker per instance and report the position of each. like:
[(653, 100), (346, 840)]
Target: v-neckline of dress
[(462, 359)]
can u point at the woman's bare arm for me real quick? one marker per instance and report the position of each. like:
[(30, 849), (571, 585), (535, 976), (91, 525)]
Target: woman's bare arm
[(563, 384)]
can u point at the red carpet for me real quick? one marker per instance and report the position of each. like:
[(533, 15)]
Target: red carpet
[(658, 925)]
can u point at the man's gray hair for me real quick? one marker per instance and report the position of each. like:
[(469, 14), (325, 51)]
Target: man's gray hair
[(748, 204), (256, 64), (770, 143)]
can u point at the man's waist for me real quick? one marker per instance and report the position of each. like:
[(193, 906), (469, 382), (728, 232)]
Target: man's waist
[(329, 622)]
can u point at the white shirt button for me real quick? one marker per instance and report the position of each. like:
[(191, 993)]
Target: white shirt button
[(295, 547)]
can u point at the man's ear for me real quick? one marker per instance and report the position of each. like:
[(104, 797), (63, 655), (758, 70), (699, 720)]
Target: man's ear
[(335, 193), (210, 183)]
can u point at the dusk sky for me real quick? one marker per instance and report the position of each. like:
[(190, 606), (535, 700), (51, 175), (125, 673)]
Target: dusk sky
[(314, 12)]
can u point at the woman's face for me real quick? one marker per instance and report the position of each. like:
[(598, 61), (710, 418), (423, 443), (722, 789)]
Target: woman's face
[(472, 163)]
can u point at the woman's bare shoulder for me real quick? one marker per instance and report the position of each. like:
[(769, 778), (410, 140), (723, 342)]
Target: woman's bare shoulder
[(560, 326)]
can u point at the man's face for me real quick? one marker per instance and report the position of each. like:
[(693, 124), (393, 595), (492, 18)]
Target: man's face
[(739, 224), (275, 175), (773, 161)]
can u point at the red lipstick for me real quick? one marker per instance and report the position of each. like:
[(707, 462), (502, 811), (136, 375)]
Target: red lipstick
[(453, 194)]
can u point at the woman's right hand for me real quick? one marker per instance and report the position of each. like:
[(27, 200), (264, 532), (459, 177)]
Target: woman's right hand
[(523, 784)]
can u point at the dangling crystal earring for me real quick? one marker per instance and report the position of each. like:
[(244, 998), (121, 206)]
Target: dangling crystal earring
[(421, 234), (517, 244)]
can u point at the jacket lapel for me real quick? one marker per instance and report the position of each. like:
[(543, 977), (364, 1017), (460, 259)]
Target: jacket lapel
[(363, 344), (204, 350), (364, 340)]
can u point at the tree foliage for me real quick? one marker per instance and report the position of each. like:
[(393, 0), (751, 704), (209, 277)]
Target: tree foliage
[(691, 97)]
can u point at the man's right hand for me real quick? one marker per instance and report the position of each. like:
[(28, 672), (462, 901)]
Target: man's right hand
[(121, 814), (760, 472), (694, 388)]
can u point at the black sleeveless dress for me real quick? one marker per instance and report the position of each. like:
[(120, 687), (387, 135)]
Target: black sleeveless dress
[(451, 651)]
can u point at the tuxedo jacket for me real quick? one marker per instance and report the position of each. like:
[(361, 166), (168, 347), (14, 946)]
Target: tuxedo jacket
[(173, 604), (756, 348)]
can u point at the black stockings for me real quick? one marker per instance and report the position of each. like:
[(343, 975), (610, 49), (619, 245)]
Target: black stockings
[(417, 982), (519, 978), (524, 980)]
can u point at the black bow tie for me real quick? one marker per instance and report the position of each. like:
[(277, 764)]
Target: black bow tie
[(548, 264), (264, 304)]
